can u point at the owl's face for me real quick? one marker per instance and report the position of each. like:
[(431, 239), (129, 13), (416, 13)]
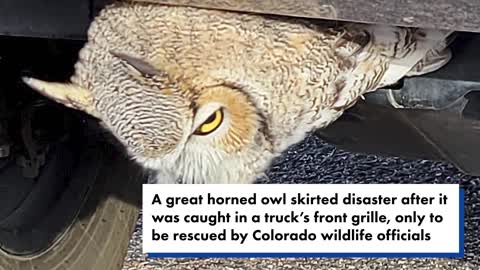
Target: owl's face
[(217, 139), (187, 134)]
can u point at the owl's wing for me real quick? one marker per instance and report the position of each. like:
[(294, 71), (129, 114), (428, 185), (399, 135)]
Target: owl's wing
[(410, 51), (386, 54), (434, 59)]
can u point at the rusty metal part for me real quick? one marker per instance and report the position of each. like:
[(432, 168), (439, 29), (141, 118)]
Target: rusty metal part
[(459, 15), (309, 9), (70, 18)]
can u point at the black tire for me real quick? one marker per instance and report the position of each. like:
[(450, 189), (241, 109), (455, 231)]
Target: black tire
[(99, 236)]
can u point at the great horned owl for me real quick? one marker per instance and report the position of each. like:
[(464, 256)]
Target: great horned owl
[(207, 96)]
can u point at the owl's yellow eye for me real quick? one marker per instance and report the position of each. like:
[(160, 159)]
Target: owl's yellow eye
[(211, 124)]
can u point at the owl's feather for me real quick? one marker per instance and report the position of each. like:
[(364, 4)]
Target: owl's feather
[(153, 73)]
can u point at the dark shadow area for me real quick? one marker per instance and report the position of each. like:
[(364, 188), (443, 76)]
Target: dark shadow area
[(79, 163)]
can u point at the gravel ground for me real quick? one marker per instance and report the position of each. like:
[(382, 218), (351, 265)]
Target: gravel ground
[(314, 161)]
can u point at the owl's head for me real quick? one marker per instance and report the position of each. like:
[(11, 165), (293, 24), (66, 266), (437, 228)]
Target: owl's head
[(186, 133)]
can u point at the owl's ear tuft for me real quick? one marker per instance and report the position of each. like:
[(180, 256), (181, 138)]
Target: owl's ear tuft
[(137, 63), (70, 95)]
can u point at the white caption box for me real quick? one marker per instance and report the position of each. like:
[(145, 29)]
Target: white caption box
[(346, 219)]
